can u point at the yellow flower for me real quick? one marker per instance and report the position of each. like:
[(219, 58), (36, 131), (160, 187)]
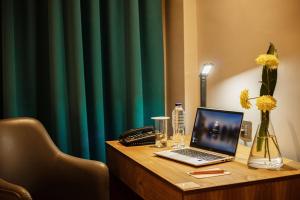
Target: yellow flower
[(266, 103), (269, 60), (244, 99)]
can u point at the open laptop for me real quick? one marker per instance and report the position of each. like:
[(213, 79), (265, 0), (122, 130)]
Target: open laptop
[(214, 139)]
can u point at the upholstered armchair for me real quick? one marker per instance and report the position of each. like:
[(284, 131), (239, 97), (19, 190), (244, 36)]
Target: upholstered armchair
[(32, 167)]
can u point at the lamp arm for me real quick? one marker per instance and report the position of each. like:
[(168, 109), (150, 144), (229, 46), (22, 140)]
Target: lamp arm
[(203, 90)]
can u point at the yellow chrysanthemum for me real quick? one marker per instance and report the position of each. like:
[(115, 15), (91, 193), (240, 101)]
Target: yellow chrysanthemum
[(269, 60), (244, 99), (266, 103)]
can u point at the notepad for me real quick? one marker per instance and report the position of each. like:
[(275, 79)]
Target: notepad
[(208, 175)]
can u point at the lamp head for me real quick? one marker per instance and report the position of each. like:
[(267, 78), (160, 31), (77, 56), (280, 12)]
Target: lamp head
[(206, 68)]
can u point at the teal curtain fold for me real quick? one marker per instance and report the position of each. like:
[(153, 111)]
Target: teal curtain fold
[(58, 79), (87, 69)]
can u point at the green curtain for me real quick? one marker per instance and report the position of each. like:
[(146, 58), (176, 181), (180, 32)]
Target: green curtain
[(88, 70)]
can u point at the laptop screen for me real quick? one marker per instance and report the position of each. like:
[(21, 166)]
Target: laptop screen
[(217, 130)]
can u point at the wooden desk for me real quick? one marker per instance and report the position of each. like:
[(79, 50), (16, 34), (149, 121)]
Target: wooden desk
[(156, 178)]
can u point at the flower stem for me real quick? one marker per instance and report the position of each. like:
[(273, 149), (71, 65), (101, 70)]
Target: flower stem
[(262, 133), (265, 153), (275, 143), (267, 147)]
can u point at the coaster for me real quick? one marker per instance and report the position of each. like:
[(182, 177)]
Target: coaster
[(187, 185), (209, 175)]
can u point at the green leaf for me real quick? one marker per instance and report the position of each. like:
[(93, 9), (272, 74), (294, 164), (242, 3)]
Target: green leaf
[(269, 77), (271, 49), (264, 86)]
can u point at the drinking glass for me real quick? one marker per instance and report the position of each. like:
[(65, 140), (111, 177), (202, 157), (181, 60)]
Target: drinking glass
[(160, 130)]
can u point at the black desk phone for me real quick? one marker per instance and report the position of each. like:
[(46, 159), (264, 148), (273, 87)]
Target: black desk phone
[(138, 136)]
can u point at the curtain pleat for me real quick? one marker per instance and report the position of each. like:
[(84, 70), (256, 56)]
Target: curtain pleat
[(87, 69), (135, 111), (94, 76), (58, 78), (76, 80), (29, 66), (9, 69), (114, 60), (152, 57)]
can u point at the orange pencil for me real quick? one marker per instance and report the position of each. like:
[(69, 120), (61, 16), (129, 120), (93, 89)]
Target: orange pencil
[(217, 171)]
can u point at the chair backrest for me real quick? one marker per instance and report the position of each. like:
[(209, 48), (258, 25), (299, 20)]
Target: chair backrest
[(26, 151)]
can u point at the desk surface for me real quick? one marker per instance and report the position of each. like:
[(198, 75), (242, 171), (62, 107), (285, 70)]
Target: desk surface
[(174, 173)]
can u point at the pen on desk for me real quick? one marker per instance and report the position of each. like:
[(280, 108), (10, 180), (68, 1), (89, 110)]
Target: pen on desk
[(217, 171)]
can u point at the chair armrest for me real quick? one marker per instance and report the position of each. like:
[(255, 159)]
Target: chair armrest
[(80, 179), (10, 191)]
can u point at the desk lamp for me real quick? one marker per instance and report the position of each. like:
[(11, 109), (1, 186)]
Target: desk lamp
[(204, 71)]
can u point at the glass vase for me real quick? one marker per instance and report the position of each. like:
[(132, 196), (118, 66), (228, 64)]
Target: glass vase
[(265, 152)]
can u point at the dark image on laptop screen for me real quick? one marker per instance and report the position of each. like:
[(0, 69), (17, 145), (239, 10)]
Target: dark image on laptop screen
[(217, 130)]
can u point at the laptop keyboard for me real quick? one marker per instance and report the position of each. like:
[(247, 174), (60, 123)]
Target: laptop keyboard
[(197, 154)]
